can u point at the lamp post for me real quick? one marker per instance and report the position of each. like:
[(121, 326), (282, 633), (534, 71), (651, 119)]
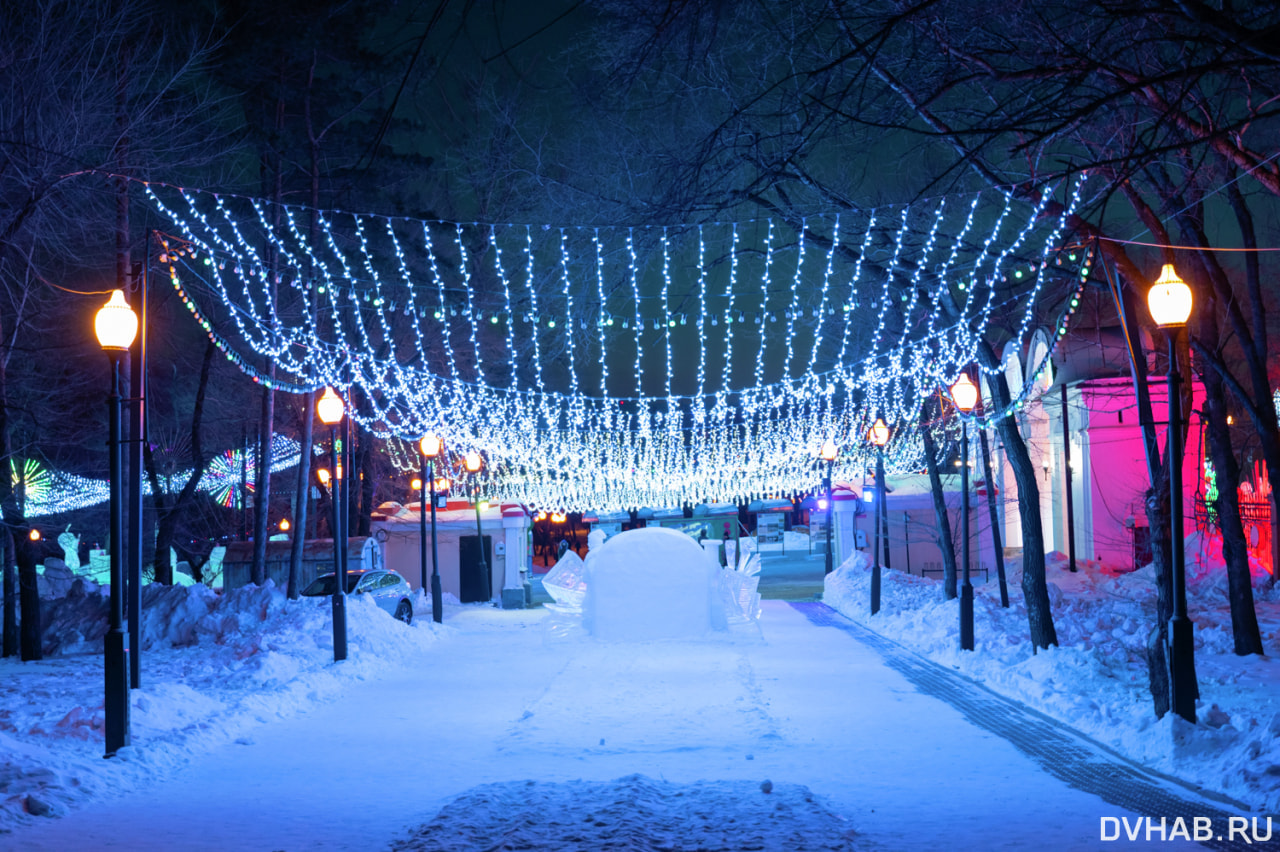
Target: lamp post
[(1170, 302), (829, 456), (964, 393), (878, 435), (473, 463), (330, 409), (115, 325), (430, 447)]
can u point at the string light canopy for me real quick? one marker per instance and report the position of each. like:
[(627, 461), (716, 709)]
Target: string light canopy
[(612, 368)]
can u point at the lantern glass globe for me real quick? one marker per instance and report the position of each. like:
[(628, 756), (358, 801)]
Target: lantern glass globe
[(115, 324), (829, 450), (472, 461), (964, 393), (1169, 299), (878, 434), (430, 445), (330, 408)]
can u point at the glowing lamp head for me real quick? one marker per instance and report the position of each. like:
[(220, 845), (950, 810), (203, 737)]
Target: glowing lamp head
[(323, 475), (558, 518), (822, 503), (430, 445), (330, 408), (416, 484), (115, 323), (285, 525), (878, 434), (1169, 299), (34, 535), (443, 484), (541, 516), (964, 393), (472, 461), (829, 450)]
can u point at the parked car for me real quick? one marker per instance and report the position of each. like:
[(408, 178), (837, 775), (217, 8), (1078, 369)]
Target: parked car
[(387, 588)]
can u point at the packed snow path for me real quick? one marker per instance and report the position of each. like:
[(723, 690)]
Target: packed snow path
[(856, 756)]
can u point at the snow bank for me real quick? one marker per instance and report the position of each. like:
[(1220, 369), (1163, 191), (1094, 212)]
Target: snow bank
[(214, 668), (634, 813), (1096, 679)]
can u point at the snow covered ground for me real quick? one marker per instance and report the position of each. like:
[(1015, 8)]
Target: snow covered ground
[(1096, 680), (490, 729)]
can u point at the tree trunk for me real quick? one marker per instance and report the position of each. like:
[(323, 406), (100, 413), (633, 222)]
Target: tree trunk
[(1235, 548), (262, 485), (167, 515), (10, 577), (29, 597), (366, 481), (301, 492), (945, 542), (1035, 588), (996, 544), (13, 526)]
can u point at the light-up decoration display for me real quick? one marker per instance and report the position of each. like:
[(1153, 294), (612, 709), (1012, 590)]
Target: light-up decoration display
[(65, 492), (445, 326)]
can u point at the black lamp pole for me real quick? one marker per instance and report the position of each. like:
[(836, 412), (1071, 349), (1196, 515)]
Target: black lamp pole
[(137, 434), (422, 521), (437, 597), (881, 511), (484, 566), (114, 663), (1182, 673), (966, 588), (339, 550), (830, 501)]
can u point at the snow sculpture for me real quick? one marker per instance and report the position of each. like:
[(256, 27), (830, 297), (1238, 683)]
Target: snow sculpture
[(70, 544), (651, 583)]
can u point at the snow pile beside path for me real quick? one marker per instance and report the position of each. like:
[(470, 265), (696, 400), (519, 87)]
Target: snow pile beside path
[(634, 813), (1096, 679), (214, 668)]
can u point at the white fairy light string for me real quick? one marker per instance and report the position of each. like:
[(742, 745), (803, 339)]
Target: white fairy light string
[(555, 444)]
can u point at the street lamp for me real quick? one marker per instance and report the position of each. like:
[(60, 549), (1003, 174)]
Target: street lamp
[(330, 409), (828, 454), (473, 463), (1170, 302), (878, 435), (116, 325), (964, 393), (430, 447)]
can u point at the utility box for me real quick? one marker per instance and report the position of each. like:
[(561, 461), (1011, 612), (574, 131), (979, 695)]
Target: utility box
[(473, 577)]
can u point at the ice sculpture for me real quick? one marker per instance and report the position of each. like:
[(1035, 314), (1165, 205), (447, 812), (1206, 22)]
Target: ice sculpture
[(567, 582)]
